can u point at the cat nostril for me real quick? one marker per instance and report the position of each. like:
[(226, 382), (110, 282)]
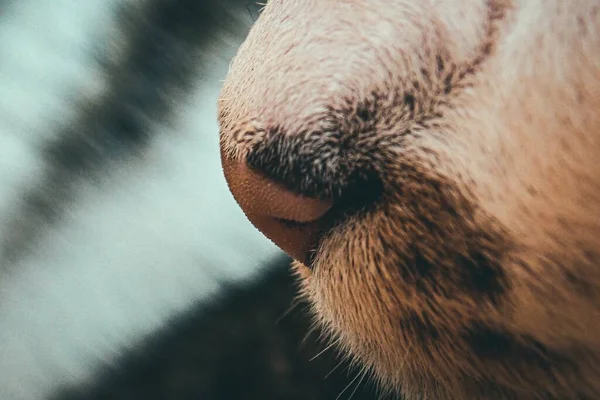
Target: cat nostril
[(291, 221)]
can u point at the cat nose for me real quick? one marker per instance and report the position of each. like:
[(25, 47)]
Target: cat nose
[(291, 221)]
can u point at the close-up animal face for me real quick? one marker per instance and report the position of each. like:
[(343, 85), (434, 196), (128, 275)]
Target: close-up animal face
[(431, 165)]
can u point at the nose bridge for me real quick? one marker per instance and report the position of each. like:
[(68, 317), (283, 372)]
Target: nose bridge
[(298, 59)]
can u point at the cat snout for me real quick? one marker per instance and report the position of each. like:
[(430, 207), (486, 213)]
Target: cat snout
[(290, 220)]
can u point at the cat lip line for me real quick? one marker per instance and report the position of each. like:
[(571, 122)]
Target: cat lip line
[(317, 231)]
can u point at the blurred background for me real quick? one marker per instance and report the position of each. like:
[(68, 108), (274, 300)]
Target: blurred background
[(126, 269)]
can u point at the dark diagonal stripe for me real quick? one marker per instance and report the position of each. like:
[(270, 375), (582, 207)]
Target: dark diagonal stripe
[(246, 344), (163, 41)]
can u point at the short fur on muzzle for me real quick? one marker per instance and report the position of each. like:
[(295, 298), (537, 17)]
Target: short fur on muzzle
[(457, 143)]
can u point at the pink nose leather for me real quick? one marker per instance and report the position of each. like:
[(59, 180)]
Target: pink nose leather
[(266, 203)]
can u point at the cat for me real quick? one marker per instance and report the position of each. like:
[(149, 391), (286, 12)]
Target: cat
[(432, 167)]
